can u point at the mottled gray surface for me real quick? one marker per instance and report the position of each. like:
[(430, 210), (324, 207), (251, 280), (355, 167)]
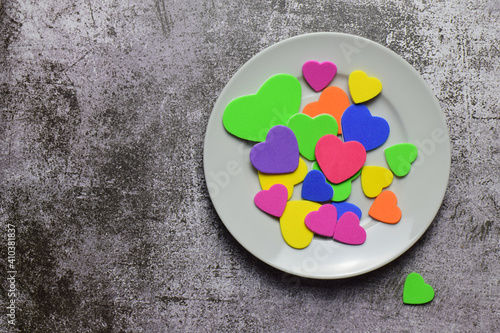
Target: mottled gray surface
[(104, 106)]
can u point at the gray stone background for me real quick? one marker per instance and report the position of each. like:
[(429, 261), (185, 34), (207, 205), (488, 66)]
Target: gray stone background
[(104, 106)]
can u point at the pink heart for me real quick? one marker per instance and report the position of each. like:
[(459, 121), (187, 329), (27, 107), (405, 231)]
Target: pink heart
[(319, 75), (272, 201), (339, 160), (322, 221), (349, 231)]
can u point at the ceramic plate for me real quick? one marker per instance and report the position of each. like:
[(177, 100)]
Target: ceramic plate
[(414, 116)]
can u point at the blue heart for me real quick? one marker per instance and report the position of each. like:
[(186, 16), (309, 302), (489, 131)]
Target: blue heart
[(358, 124), (344, 207), (315, 187)]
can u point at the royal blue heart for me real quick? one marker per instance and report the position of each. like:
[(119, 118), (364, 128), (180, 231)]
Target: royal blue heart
[(315, 187), (358, 124), (278, 154), (344, 207)]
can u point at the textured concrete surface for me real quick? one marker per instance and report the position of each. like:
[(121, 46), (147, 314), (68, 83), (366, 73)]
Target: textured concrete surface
[(104, 106)]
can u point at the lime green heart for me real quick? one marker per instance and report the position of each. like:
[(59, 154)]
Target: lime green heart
[(309, 130), (250, 117), (400, 157), (416, 291), (341, 191)]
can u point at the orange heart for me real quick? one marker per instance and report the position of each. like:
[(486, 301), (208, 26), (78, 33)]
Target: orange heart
[(332, 101), (385, 209)]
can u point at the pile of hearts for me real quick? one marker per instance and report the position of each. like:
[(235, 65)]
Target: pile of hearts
[(286, 137)]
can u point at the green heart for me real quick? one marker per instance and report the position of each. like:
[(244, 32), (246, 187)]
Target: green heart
[(400, 157), (250, 117), (416, 291), (341, 191), (309, 130)]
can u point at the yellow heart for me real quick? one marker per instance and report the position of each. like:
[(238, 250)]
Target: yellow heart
[(293, 228), (374, 179), (288, 179), (362, 87)]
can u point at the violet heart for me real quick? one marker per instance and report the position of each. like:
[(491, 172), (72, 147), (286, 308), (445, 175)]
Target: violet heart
[(339, 160), (272, 201), (349, 231), (319, 75), (358, 124), (322, 221), (278, 154)]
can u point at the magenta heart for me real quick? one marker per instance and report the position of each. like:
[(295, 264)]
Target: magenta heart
[(272, 201), (278, 154), (339, 160), (322, 221), (319, 75), (349, 231)]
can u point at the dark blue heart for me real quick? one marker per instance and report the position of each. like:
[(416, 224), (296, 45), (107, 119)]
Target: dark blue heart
[(315, 187), (344, 207), (358, 124)]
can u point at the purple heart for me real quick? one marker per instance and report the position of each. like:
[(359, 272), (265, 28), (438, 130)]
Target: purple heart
[(319, 75), (358, 124), (278, 154)]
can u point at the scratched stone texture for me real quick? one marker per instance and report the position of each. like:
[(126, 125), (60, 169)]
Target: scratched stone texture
[(104, 106)]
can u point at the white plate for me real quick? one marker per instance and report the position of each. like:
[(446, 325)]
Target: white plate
[(414, 116)]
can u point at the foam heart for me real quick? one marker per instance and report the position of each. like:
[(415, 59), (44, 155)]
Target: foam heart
[(272, 201), (315, 187), (400, 157), (278, 154), (416, 291), (323, 221), (339, 160), (348, 230), (344, 207), (374, 179), (319, 75), (250, 117), (290, 179), (292, 223), (362, 87), (309, 130), (332, 101), (359, 125), (384, 208), (341, 191)]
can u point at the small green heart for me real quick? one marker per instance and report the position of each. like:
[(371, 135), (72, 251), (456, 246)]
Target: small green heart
[(416, 291), (309, 130), (341, 191), (250, 117), (400, 157)]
